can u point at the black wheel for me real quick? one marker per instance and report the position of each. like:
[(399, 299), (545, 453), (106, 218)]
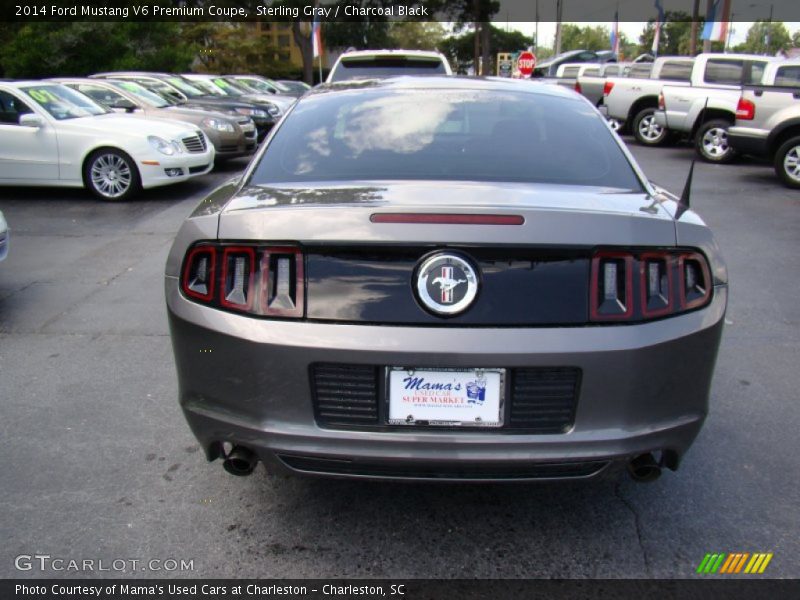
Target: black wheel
[(111, 175), (646, 130), (787, 162), (711, 142)]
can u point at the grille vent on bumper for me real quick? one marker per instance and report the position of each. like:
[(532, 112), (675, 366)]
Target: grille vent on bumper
[(542, 400), (345, 394), (195, 143)]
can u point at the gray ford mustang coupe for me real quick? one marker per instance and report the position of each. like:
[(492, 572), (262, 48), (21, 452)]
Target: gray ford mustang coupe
[(449, 279)]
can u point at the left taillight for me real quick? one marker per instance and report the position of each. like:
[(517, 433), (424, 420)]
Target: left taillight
[(639, 286), (266, 281)]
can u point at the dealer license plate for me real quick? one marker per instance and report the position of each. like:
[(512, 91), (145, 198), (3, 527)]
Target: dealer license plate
[(446, 397)]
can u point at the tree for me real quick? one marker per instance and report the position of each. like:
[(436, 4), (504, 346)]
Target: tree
[(417, 35), (82, 48), (460, 49), (766, 37), (574, 37)]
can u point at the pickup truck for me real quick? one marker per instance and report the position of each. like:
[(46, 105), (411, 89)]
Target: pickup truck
[(591, 84), (768, 121), (706, 108), (631, 101)]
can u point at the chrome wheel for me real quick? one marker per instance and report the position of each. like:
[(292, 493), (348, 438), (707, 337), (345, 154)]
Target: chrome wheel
[(791, 164), (110, 175), (649, 130), (715, 143), (615, 124)]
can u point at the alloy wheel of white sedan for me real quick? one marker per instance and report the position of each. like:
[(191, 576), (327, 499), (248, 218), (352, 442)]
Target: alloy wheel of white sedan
[(111, 175)]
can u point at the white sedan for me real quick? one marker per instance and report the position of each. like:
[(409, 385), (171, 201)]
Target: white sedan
[(51, 135)]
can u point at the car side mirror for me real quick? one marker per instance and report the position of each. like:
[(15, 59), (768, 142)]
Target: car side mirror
[(124, 104), (31, 120)]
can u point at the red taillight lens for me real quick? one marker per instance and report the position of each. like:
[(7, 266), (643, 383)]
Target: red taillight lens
[(666, 283), (655, 273), (578, 88), (695, 288), (661, 102), (745, 110), (198, 273), (609, 85), (238, 274), (612, 286), (257, 280)]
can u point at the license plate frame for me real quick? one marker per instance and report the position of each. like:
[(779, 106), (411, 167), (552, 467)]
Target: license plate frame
[(472, 412)]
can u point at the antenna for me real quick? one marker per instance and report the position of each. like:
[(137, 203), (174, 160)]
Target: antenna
[(687, 188)]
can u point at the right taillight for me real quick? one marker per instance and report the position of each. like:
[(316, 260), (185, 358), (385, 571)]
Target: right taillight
[(609, 85), (745, 110), (638, 286), (258, 280)]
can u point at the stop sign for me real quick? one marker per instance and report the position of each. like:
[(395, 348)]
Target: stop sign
[(526, 62)]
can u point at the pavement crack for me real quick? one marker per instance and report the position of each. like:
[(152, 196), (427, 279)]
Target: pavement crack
[(638, 525)]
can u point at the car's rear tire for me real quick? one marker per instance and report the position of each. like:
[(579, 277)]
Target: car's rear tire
[(646, 131), (111, 175), (787, 162), (711, 142)]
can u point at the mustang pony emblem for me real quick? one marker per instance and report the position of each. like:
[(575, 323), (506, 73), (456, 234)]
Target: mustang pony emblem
[(447, 284)]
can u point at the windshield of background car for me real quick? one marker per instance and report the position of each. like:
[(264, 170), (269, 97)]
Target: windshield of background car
[(208, 88), (143, 94), (229, 87), (63, 103), (258, 86), (186, 88), (387, 66), (445, 134)]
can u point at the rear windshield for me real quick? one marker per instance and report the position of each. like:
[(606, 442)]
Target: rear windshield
[(676, 71), (389, 66), (462, 135), (788, 76)]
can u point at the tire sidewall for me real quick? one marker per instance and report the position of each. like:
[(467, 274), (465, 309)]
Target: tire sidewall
[(136, 181), (780, 155), (635, 127), (698, 143)]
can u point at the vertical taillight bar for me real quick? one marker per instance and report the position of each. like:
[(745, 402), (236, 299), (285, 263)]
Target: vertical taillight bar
[(655, 273), (695, 284), (238, 274), (199, 273), (282, 282), (611, 286)]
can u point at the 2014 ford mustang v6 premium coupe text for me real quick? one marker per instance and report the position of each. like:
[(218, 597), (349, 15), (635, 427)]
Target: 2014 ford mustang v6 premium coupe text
[(444, 278)]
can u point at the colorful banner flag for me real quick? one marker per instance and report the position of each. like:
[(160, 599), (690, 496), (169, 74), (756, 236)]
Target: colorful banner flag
[(316, 38), (659, 22), (615, 34), (716, 27)]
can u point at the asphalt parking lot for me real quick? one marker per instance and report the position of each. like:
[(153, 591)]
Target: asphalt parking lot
[(100, 464)]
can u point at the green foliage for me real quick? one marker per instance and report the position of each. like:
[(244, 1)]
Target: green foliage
[(81, 48), (459, 49), (417, 35), (762, 32), (574, 37)]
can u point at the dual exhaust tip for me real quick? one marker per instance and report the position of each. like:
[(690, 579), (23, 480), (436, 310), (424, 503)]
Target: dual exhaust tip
[(241, 461)]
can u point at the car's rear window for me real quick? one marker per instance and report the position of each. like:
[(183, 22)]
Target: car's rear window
[(788, 76), (445, 134), (387, 66)]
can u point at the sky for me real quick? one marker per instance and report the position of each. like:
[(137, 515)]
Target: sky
[(632, 30)]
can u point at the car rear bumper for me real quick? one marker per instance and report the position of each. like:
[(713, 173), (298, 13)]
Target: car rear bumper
[(660, 117), (746, 140), (644, 388)]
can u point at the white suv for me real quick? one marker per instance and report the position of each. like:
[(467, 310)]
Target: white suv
[(379, 64)]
